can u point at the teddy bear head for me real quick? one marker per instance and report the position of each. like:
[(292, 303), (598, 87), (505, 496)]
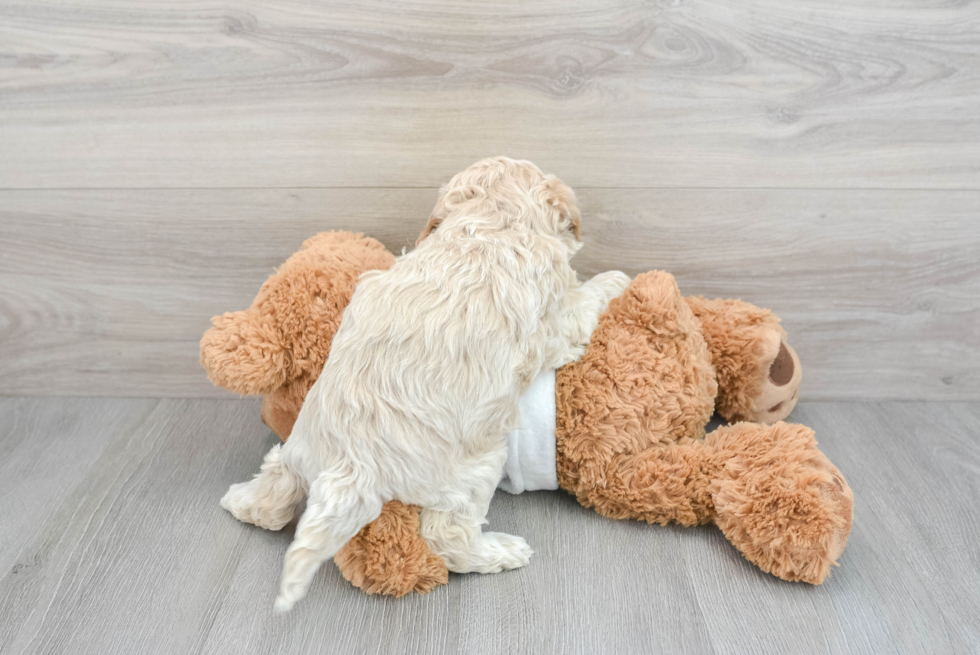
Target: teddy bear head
[(278, 345)]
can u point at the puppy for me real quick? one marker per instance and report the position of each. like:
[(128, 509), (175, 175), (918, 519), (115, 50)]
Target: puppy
[(425, 372)]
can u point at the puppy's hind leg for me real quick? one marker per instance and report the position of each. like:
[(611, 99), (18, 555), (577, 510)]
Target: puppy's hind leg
[(457, 537), (335, 511), (269, 499)]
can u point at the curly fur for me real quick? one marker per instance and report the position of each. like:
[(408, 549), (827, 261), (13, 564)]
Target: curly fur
[(631, 416), (425, 372), (389, 557)]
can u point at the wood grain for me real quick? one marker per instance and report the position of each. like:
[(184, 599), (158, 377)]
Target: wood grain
[(108, 292), (130, 551), (763, 93)]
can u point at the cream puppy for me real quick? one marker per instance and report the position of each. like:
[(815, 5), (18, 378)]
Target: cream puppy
[(424, 376)]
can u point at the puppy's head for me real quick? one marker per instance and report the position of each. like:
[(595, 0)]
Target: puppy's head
[(501, 193)]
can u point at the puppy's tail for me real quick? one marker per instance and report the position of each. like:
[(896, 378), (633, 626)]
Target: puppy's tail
[(244, 352)]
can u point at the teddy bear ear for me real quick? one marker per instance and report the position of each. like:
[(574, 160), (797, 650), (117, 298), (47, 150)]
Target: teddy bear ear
[(560, 196), (244, 354)]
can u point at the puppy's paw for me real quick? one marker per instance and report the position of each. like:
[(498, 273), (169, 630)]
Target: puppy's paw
[(572, 353), (503, 551), (612, 283), (234, 500), (241, 501)]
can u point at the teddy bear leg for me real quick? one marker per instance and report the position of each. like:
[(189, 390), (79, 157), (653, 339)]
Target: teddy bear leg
[(774, 495), (759, 373), (779, 500)]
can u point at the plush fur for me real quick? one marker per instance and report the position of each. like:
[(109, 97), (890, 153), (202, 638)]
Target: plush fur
[(277, 346), (631, 418), (424, 376)]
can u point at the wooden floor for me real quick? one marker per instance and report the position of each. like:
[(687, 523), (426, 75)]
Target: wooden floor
[(113, 542)]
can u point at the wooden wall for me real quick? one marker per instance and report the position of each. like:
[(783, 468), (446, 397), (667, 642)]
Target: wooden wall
[(159, 159)]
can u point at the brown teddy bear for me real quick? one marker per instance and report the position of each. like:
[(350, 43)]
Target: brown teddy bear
[(630, 416)]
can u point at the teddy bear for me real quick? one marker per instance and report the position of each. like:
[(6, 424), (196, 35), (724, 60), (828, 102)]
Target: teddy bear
[(629, 417)]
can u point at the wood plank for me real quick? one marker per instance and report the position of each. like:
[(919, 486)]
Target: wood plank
[(74, 439), (760, 93), (108, 292), (114, 570), (134, 554)]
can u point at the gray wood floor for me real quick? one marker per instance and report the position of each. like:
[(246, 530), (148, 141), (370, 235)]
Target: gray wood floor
[(113, 542)]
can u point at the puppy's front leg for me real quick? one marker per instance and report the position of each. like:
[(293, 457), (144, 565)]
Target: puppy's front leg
[(580, 314)]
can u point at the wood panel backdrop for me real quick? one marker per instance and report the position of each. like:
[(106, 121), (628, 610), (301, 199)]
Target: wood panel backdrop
[(159, 159)]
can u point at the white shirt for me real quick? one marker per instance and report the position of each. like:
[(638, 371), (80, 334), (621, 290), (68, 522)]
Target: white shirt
[(531, 447)]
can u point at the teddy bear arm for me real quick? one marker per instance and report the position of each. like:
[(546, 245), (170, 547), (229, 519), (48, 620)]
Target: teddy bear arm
[(389, 557), (244, 354)]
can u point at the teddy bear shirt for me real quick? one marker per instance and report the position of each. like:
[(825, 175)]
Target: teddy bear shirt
[(531, 447)]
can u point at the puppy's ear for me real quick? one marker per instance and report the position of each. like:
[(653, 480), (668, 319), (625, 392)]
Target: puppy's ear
[(435, 218), (433, 223), (560, 196)]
